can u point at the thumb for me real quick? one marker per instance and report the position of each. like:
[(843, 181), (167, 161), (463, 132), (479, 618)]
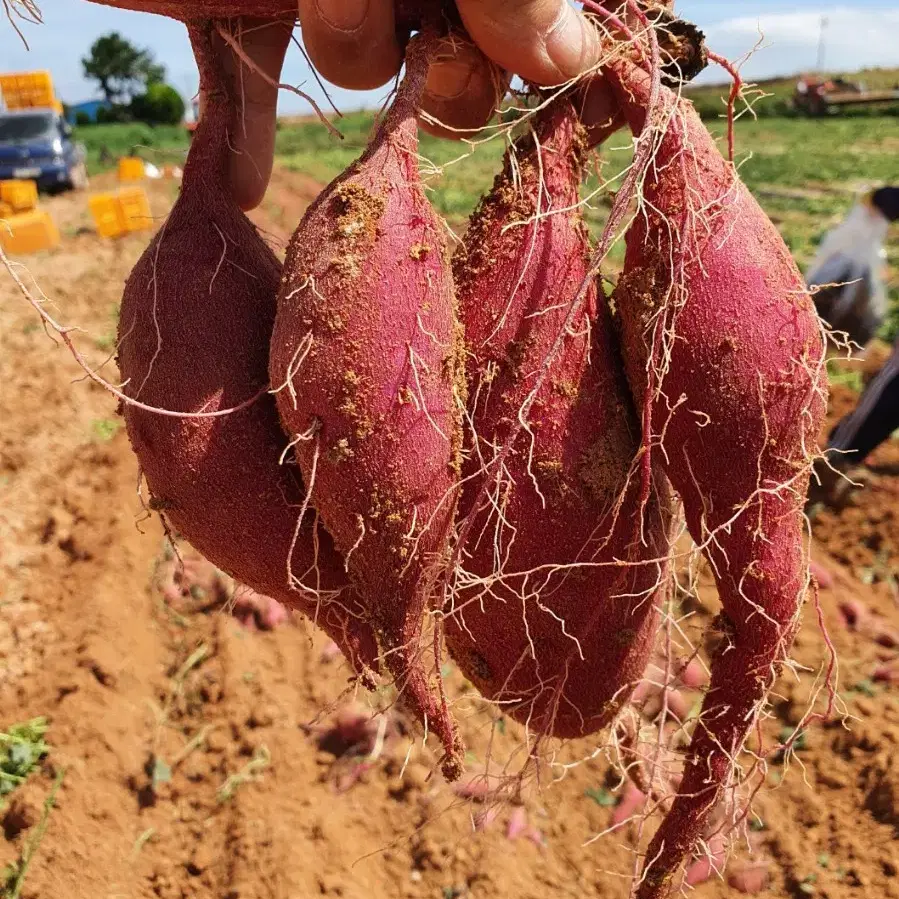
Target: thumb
[(544, 41)]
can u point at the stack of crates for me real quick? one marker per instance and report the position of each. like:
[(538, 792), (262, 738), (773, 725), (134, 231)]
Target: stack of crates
[(29, 90), (25, 228), (123, 212)]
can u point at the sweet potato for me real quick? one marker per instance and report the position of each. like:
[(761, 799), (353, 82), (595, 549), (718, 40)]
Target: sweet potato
[(365, 361), (408, 13), (559, 601), (724, 352), (196, 319), (199, 10)]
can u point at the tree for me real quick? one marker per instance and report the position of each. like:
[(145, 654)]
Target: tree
[(120, 68), (160, 105)]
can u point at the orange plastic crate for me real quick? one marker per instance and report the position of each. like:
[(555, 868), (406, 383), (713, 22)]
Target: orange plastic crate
[(27, 90), (5, 210), (131, 169), (135, 208), (120, 213), (20, 195), (107, 215), (28, 232)]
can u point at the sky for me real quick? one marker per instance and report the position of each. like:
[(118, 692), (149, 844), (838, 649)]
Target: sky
[(856, 37)]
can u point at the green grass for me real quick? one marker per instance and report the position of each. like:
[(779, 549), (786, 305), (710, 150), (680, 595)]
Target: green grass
[(106, 143), (454, 184), (826, 160), (805, 172), (837, 374)]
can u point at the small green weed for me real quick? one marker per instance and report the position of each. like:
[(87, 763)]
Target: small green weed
[(104, 429), (807, 887), (786, 735), (105, 342), (602, 797), (176, 688), (142, 841), (866, 687), (251, 771), (12, 878), (161, 772), (849, 378), (21, 749)]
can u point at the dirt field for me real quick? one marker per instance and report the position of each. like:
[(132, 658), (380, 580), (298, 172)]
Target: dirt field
[(191, 744)]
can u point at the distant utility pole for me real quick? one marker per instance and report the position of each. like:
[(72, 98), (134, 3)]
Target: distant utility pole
[(821, 43), (188, 82)]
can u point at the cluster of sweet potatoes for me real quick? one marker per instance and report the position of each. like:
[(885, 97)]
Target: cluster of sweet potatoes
[(478, 451)]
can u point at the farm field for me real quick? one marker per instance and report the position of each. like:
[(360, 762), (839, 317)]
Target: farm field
[(189, 747), (805, 172)]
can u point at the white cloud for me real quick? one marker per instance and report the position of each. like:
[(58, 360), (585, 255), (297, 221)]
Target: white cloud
[(854, 39)]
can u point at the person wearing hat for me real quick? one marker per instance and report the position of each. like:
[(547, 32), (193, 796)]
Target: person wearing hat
[(876, 415), (848, 291)]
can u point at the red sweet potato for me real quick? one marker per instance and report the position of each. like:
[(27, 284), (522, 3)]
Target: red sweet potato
[(196, 319), (408, 13), (197, 10), (365, 360), (559, 602), (723, 350)]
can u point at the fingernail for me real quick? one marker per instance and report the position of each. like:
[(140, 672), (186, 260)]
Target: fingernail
[(571, 43), (343, 15), (447, 80)]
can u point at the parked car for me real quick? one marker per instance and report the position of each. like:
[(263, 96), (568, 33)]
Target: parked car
[(37, 144)]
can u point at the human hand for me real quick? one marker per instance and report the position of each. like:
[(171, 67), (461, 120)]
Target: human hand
[(354, 44)]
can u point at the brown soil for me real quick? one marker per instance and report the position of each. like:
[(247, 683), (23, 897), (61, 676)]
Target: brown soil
[(133, 685)]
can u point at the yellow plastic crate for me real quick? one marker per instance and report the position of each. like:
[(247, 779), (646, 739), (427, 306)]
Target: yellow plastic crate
[(21, 195), (122, 212), (135, 208), (28, 232), (5, 210), (131, 169), (107, 215), (26, 90)]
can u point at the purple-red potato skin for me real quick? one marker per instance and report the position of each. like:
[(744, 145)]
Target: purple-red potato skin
[(196, 318), (736, 408), (408, 12), (366, 362), (559, 646), (199, 10)]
